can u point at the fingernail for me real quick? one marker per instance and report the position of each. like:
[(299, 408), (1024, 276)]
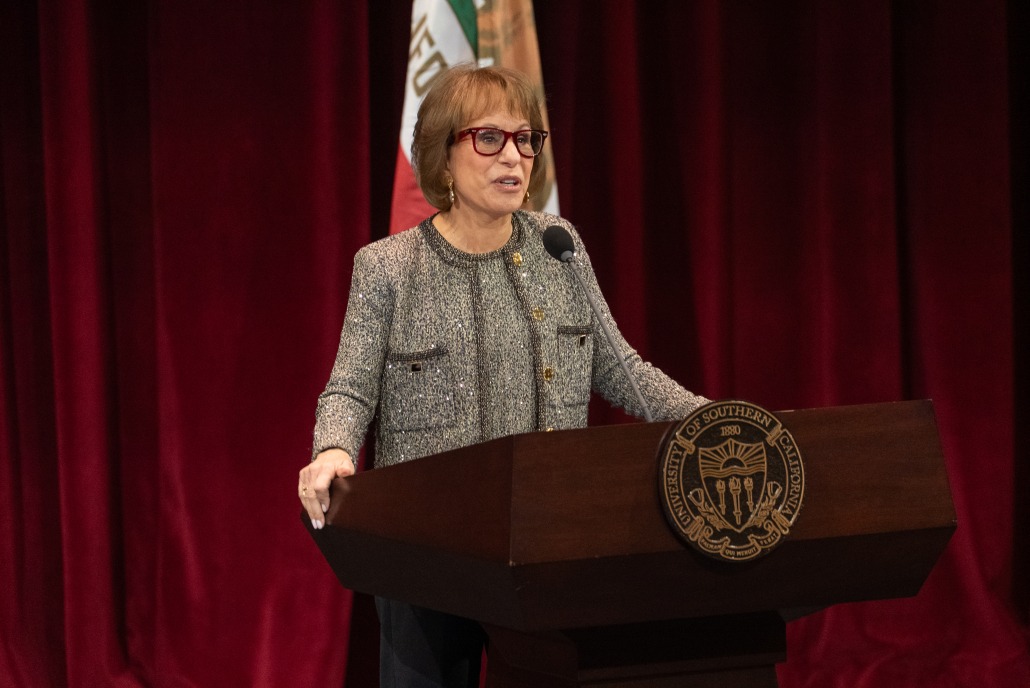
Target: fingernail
[(314, 524), (325, 508)]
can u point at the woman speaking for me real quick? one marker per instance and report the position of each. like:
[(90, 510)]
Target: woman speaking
[(463, 329)]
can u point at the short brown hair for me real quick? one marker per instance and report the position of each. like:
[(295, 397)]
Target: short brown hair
[(456, 97)]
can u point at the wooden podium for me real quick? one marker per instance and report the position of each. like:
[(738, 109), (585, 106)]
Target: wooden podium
[(557, 543)]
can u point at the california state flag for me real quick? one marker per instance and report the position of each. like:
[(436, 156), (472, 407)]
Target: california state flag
[(449, 32)]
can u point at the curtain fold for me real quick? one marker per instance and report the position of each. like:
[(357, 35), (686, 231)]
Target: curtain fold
[(798, 204)]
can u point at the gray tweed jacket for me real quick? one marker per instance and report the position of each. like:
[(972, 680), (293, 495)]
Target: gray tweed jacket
[(409, 351)]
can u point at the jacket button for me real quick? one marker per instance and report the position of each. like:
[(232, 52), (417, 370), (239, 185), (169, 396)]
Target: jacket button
[(516, 258), (548, 374), (538, 313)]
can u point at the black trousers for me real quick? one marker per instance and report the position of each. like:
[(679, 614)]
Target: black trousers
[(422, 648)]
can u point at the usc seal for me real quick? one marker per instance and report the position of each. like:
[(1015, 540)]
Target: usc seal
[(731, 480)]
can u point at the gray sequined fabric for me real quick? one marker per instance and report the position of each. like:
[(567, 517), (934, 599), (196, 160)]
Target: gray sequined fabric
[(444, 349)]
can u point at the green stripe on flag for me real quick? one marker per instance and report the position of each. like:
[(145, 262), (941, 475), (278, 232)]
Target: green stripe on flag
[(465, 12)]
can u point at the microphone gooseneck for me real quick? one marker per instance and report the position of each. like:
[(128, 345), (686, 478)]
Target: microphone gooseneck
[(558, 242)]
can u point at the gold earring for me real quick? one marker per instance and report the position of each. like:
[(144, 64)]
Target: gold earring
[(450, 191), (526, 199)]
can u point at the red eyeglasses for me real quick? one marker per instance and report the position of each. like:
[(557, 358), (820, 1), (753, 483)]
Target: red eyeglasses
[(490, 141)]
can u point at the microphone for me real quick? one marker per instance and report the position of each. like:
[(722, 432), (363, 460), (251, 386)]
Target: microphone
[(558, 242)]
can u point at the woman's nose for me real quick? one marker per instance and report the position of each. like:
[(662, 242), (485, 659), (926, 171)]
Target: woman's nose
[(509, 152)]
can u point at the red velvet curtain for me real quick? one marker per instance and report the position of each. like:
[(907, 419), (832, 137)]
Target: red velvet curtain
[(799, 204)]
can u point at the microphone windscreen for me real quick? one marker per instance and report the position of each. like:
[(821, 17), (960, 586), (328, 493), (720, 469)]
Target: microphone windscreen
[(558, 243)]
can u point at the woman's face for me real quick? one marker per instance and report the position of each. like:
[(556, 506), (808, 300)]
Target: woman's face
[(490, 186)]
